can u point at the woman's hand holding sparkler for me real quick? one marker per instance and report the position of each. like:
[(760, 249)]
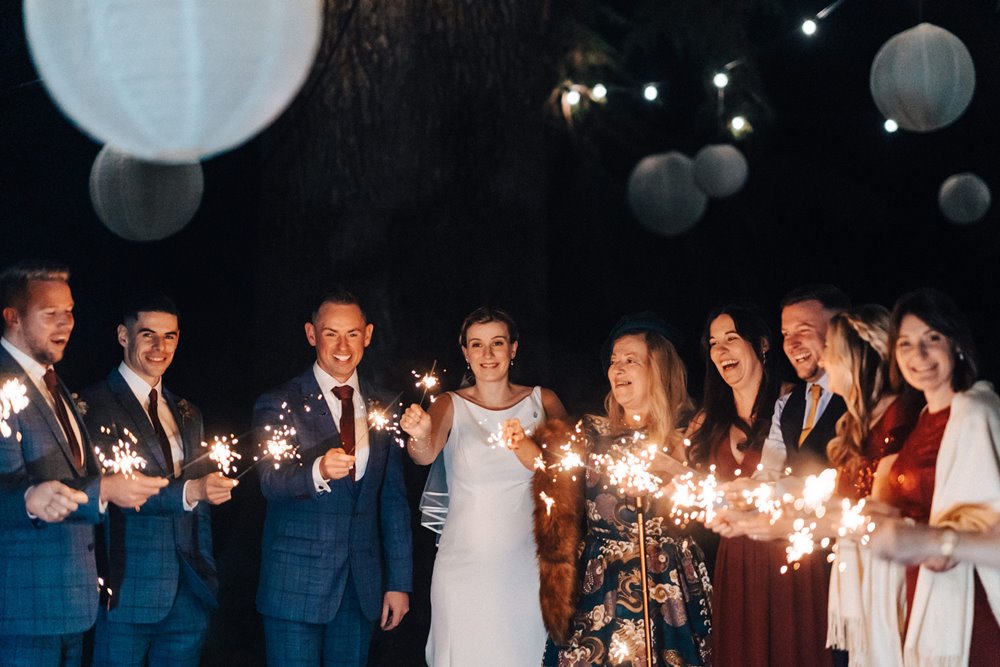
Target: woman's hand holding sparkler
[(417, 423), (214, 488), (513, 435), (130, 489), (53, 501)]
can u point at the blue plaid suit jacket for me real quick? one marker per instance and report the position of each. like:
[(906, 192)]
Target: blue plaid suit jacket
[(160, 544), (48, 575), (312, 541)]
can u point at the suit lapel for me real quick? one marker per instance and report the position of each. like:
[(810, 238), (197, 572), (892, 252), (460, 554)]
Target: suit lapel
[(185, 426), (40, 405), (315, 413), (143, 427)]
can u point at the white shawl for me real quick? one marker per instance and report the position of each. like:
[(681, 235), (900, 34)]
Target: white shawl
[(966, 497)]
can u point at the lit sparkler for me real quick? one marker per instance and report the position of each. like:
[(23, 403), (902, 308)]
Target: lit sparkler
[(549, 502), (13, 399), (221, 451), (430, 382), (123, 458)]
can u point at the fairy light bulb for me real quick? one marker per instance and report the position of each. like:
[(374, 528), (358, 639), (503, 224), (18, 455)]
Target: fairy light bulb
[(721, 80), (650, 92), (809, 27), (599, 91), (573, 97), (890, 125)]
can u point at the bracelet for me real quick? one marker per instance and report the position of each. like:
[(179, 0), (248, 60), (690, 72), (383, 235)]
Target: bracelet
[(947, 542)]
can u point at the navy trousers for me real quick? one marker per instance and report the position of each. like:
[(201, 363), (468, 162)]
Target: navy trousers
[(41, 650)]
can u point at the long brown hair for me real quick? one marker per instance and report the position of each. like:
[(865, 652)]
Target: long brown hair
[(669, 403)]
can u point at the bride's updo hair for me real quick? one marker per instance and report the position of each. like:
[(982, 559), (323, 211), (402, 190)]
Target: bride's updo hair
[(485, 314)]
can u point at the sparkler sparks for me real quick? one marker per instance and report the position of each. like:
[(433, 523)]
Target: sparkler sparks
[(380, 419), (13, 399), (549, 502), (430, 382), (123, 459), (221, 451)]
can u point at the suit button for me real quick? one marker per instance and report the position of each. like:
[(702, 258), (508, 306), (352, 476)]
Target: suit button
[(90, 547)]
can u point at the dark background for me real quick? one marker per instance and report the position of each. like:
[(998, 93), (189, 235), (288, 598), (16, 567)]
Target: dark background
[(424, 166)]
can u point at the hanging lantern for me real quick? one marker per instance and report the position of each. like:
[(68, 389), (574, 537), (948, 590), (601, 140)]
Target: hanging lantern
[(720, 170), (173, 80), (964, 198), (663, 196), (144, 201), (923, 78)]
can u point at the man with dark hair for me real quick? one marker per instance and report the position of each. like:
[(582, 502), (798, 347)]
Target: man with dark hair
[(336, 553), (48, 474), (161, 573)]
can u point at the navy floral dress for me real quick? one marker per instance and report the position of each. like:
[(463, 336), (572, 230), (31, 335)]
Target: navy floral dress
[(608, 623)]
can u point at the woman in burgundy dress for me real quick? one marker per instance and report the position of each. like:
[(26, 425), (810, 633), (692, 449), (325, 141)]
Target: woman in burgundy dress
[(947, 475), (877, 421), (741, 386)]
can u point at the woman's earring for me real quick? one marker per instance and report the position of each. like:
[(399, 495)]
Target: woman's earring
[(961, 357), (763, 357), (511, 362)]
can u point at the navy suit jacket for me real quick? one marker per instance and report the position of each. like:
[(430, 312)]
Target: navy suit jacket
[(48, 575), (160, 544), (312, 541)]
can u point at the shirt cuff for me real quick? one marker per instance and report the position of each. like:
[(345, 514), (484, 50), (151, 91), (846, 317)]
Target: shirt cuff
[(30, 515), (184, 498), (321, 485)]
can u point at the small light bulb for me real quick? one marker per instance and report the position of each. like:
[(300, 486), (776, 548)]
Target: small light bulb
[(890, 125), (721, 80), (599, 91), (809, 27), (650, 92), (738, 123), (573, 97)]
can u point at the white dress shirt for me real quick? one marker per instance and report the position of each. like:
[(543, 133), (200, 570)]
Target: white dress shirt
[(36, 373), (140, 388), (327, 383), (774, 453)]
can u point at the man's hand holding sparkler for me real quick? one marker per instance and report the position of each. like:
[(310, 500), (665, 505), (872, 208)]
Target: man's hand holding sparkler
[(214, 488), (53, 501), (130, 489), (336, 464)]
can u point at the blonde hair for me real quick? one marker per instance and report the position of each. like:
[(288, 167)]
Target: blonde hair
[(669, 403), (859, 339)]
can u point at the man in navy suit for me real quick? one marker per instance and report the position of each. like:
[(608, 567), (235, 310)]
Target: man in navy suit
[(51, 491), (160, 568), (337, 547)]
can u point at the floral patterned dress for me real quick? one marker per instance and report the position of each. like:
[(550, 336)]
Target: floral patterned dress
[(608, 623)]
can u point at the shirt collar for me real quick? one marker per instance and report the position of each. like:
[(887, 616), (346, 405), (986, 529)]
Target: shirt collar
[(30, 366), (139, 387), (823, 382), (327, 382)]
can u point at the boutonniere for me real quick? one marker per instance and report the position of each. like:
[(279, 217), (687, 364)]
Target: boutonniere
[(80, 404), (185, 409)]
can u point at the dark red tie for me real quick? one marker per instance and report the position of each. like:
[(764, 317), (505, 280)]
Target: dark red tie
[(161, 435), (346, 395), (52, 382)]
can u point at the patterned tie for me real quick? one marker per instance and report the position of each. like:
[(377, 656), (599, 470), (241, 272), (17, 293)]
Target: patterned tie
[(814, 390), (161, 435), (346, 395), (52, 382)]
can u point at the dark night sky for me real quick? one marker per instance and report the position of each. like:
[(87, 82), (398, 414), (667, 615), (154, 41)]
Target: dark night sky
[(831, 197)]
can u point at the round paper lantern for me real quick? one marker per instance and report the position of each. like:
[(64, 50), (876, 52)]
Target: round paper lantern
[(923, 78), (964, 198), (720, 170), (144, 201), (173, 80), (663, 196)]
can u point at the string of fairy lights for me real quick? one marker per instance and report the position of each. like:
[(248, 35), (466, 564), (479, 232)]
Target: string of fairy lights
[(572, 94)]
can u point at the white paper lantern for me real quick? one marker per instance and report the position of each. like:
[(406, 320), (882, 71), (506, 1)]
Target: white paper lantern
[(720, 170), (144, 201), (663, 196), (964, 198), (923, 78), (173, 80)]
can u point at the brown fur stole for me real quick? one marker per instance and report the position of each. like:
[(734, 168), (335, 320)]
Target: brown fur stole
[(558, 531)]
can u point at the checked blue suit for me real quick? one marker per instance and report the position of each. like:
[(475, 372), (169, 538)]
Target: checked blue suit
[(316, 544), (169, 584), (48, 573)]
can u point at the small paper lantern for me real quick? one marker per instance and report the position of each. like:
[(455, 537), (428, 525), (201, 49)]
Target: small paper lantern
[(720, 170), (173, 80), (964, 198), (923, 78), (144, 201), (663, 196)]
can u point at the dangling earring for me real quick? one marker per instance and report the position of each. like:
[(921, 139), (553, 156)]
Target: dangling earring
[(763, 357), (512, 362), (961, 357)]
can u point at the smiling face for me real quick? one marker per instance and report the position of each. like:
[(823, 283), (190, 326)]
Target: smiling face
[(630, 374), (340, 335), (803, 326), (488, 351), (734, 357), (925, 358), (150, 342), (43, 329)]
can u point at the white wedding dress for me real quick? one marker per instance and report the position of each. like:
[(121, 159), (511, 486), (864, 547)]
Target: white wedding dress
[(484, 591)]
